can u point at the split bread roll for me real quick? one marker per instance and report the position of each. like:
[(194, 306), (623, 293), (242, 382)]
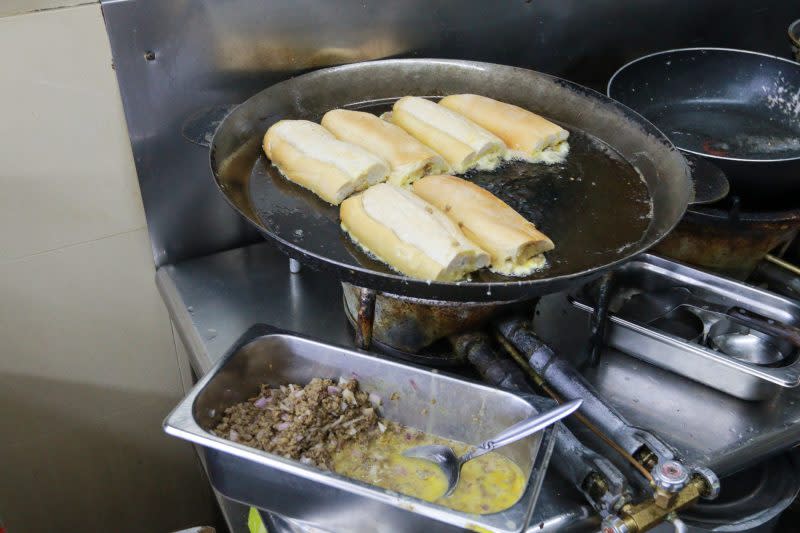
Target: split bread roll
[(514, 244), (528, 136), (408, 158), (409, 234), (310, 156), (462, 143)]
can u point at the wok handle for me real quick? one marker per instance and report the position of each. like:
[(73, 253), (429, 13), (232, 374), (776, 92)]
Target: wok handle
[(766, 325), (710, 182)]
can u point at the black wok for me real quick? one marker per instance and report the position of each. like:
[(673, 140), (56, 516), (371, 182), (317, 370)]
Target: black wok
[(624, 185), (739, 110)]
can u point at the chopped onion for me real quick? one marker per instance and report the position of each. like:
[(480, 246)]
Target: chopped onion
[(233, 435), (306, 461), (374, 399), (381, 427), (333, 424), (333, 389), (261, 403), (353, 421), (349, 396), (283, 426), (344, 406), (368, 411)]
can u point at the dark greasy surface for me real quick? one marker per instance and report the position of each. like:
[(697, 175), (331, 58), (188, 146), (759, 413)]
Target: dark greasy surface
[(594, 207)]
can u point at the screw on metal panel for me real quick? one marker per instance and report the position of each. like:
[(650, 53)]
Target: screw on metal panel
[(150, 55)]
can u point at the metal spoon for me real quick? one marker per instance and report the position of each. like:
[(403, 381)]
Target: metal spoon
[(450, 464)]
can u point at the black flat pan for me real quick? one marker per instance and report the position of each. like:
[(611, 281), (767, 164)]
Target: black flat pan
[(739, 110), (624, 185)]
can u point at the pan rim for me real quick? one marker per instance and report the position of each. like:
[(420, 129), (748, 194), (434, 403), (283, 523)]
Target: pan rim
[(794, 64), (347, 272)]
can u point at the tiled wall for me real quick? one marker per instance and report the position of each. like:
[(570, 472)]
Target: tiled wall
[(88, 365)]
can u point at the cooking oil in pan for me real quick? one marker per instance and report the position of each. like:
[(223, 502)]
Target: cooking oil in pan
[(595, 206)]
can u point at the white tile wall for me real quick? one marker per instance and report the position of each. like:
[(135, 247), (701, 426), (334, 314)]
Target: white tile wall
[(88, 363), (89, 313), (15, 7), (68, 173)]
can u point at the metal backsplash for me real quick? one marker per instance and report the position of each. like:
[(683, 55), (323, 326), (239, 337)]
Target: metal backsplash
[(176, 59)]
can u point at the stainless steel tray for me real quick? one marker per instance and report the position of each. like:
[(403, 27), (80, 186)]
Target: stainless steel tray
[(694, 360), (463, 410)]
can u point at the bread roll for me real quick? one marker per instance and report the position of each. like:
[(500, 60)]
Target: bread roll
[(514, 244), (409, 234), (309, 155), (462, 143), (408, 158), (527, 135)]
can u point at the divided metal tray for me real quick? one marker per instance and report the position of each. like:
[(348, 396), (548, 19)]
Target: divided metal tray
[(692, 338), (430, 401)]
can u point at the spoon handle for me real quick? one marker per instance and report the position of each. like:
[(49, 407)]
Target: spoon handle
[(523, 429)]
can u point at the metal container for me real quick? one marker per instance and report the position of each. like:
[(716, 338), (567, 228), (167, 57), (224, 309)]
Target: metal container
[(688, 355), (435, 403)]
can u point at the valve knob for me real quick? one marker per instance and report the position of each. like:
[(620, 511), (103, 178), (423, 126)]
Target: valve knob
[(670, 476)]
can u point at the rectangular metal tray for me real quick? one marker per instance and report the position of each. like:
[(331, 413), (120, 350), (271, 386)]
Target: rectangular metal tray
[(438, 404), (712, 368)]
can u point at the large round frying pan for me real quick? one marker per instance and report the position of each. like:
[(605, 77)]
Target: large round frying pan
[(623, 187), (739, 110)]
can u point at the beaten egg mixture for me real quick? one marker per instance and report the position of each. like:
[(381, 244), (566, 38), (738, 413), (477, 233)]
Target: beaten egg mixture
[(489, 484)]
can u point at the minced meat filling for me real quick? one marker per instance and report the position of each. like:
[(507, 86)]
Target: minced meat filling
[(309, 424)]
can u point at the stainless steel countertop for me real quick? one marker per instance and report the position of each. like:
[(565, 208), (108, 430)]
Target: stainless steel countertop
[(213, 300)]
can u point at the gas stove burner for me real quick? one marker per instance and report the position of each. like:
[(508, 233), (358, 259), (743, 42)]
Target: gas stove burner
[(725, 237), (417, 329), (751, 500), (439, 354)]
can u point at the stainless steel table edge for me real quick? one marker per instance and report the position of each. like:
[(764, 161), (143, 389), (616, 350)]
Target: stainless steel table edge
[(184, 325), (182, 320)]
